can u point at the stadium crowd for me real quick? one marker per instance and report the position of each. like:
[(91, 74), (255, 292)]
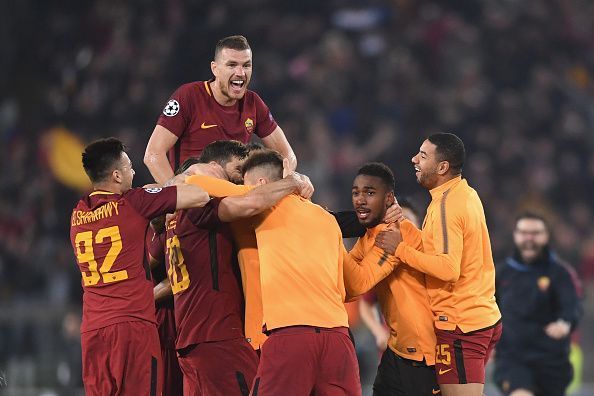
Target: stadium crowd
[(350, 81)]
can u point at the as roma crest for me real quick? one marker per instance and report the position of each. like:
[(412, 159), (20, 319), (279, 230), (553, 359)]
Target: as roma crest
[(543, 283), (249, 125)]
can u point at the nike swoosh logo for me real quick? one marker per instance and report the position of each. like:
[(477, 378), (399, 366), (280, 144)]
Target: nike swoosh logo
[(205, 126), (441, 372), (435, 392)]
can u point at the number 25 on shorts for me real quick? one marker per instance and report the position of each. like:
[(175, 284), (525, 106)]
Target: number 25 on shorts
[(88, 256), (442, 354)]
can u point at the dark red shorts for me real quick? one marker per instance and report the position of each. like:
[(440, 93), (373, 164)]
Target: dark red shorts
[(173, 379), (218, 368), (122, 359), (303, 360), (461, 357)]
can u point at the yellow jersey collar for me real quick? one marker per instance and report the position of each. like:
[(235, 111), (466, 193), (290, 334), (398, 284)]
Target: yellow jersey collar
[(439, 190)]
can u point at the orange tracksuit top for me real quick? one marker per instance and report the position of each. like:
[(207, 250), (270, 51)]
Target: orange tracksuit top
[(403, 299), (456, 256)]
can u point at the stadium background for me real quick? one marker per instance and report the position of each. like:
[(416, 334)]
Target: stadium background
[(348, 80)]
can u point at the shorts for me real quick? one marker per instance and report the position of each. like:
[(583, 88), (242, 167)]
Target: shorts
[(549, 378), (173, 380), (225, 368), (461, 357), (303, 360), (122, 359), (399, 376)]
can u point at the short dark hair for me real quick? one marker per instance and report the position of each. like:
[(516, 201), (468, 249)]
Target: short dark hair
[(222, 151), (380, 170), (236, 42), (101, 157), (449, 147), (253, 146), (265, 158), (186, 164), (531, 216)]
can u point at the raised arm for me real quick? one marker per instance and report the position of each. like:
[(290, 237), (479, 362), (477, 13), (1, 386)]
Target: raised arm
[(259, 199), (155, 156), (444, 265), (278, 141)]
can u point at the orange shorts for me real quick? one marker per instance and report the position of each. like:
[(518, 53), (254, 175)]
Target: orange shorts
[(461, 357)]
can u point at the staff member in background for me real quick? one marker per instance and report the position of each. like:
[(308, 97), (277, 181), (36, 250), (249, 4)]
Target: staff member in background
[(538, 296)]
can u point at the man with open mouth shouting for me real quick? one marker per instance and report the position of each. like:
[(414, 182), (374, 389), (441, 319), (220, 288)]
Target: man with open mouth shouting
[(201, 112)]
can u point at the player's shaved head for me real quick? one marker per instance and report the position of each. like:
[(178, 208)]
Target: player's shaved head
[(237, 42), (101, 157), (265, 163)]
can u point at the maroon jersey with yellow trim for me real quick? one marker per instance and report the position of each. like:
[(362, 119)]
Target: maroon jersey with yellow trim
[(164, 309), (197, 119), (108, 234), (204, 275)]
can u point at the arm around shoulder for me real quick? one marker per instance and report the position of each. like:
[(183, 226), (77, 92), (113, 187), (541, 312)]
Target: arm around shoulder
[(191, 196)]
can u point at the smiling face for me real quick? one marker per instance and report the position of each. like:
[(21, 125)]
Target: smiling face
[(427, 166), (233, 71), (371, 198), (531, 237)]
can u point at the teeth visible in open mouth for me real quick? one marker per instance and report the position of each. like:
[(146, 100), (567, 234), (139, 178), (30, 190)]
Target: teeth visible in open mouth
[(238, 83)]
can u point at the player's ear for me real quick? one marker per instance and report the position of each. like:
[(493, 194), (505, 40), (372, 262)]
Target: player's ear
[(443, 167), (213, 68), (390, 199), (116, 175)]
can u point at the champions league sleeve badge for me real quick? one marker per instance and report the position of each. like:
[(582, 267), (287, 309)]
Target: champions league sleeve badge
[(171, 108)]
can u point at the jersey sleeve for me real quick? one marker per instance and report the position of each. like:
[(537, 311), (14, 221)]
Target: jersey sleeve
[(152, 202), (156, 251), (449, 233), (411, 235), (265, 123), (206, 216), (569, 303), (361, 275), (217, 187), (349, 224), (177, 113)]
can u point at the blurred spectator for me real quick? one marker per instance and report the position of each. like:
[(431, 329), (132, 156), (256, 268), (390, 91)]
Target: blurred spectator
[(539, 299)]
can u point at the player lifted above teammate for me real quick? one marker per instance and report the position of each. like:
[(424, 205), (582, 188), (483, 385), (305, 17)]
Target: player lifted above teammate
[(222, 108), (108, 231)]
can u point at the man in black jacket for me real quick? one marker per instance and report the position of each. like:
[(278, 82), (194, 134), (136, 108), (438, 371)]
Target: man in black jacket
[(538, 298)]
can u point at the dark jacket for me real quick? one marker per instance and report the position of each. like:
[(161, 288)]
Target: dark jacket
[(531, 296)]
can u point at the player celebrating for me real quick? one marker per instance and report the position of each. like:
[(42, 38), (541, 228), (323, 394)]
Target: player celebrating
[(108, 229), (456, 255), (202, 112)]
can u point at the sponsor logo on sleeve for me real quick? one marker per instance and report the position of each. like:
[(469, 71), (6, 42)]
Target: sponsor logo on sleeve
[(153, 190), (171, 108)]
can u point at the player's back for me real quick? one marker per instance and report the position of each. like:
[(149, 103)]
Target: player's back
[(108, 233), (299, 246)]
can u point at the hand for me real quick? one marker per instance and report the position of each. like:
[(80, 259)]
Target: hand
[(394, 213), (306, 189), (557, 330), (211, 169), (389, 240), (381, 338)]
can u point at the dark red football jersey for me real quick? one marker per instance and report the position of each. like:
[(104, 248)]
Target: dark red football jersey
[(197, 119), (202, 268), (164, 309), (108, 234)]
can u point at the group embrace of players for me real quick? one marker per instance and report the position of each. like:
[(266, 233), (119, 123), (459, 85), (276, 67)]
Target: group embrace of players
[(250, 277)]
